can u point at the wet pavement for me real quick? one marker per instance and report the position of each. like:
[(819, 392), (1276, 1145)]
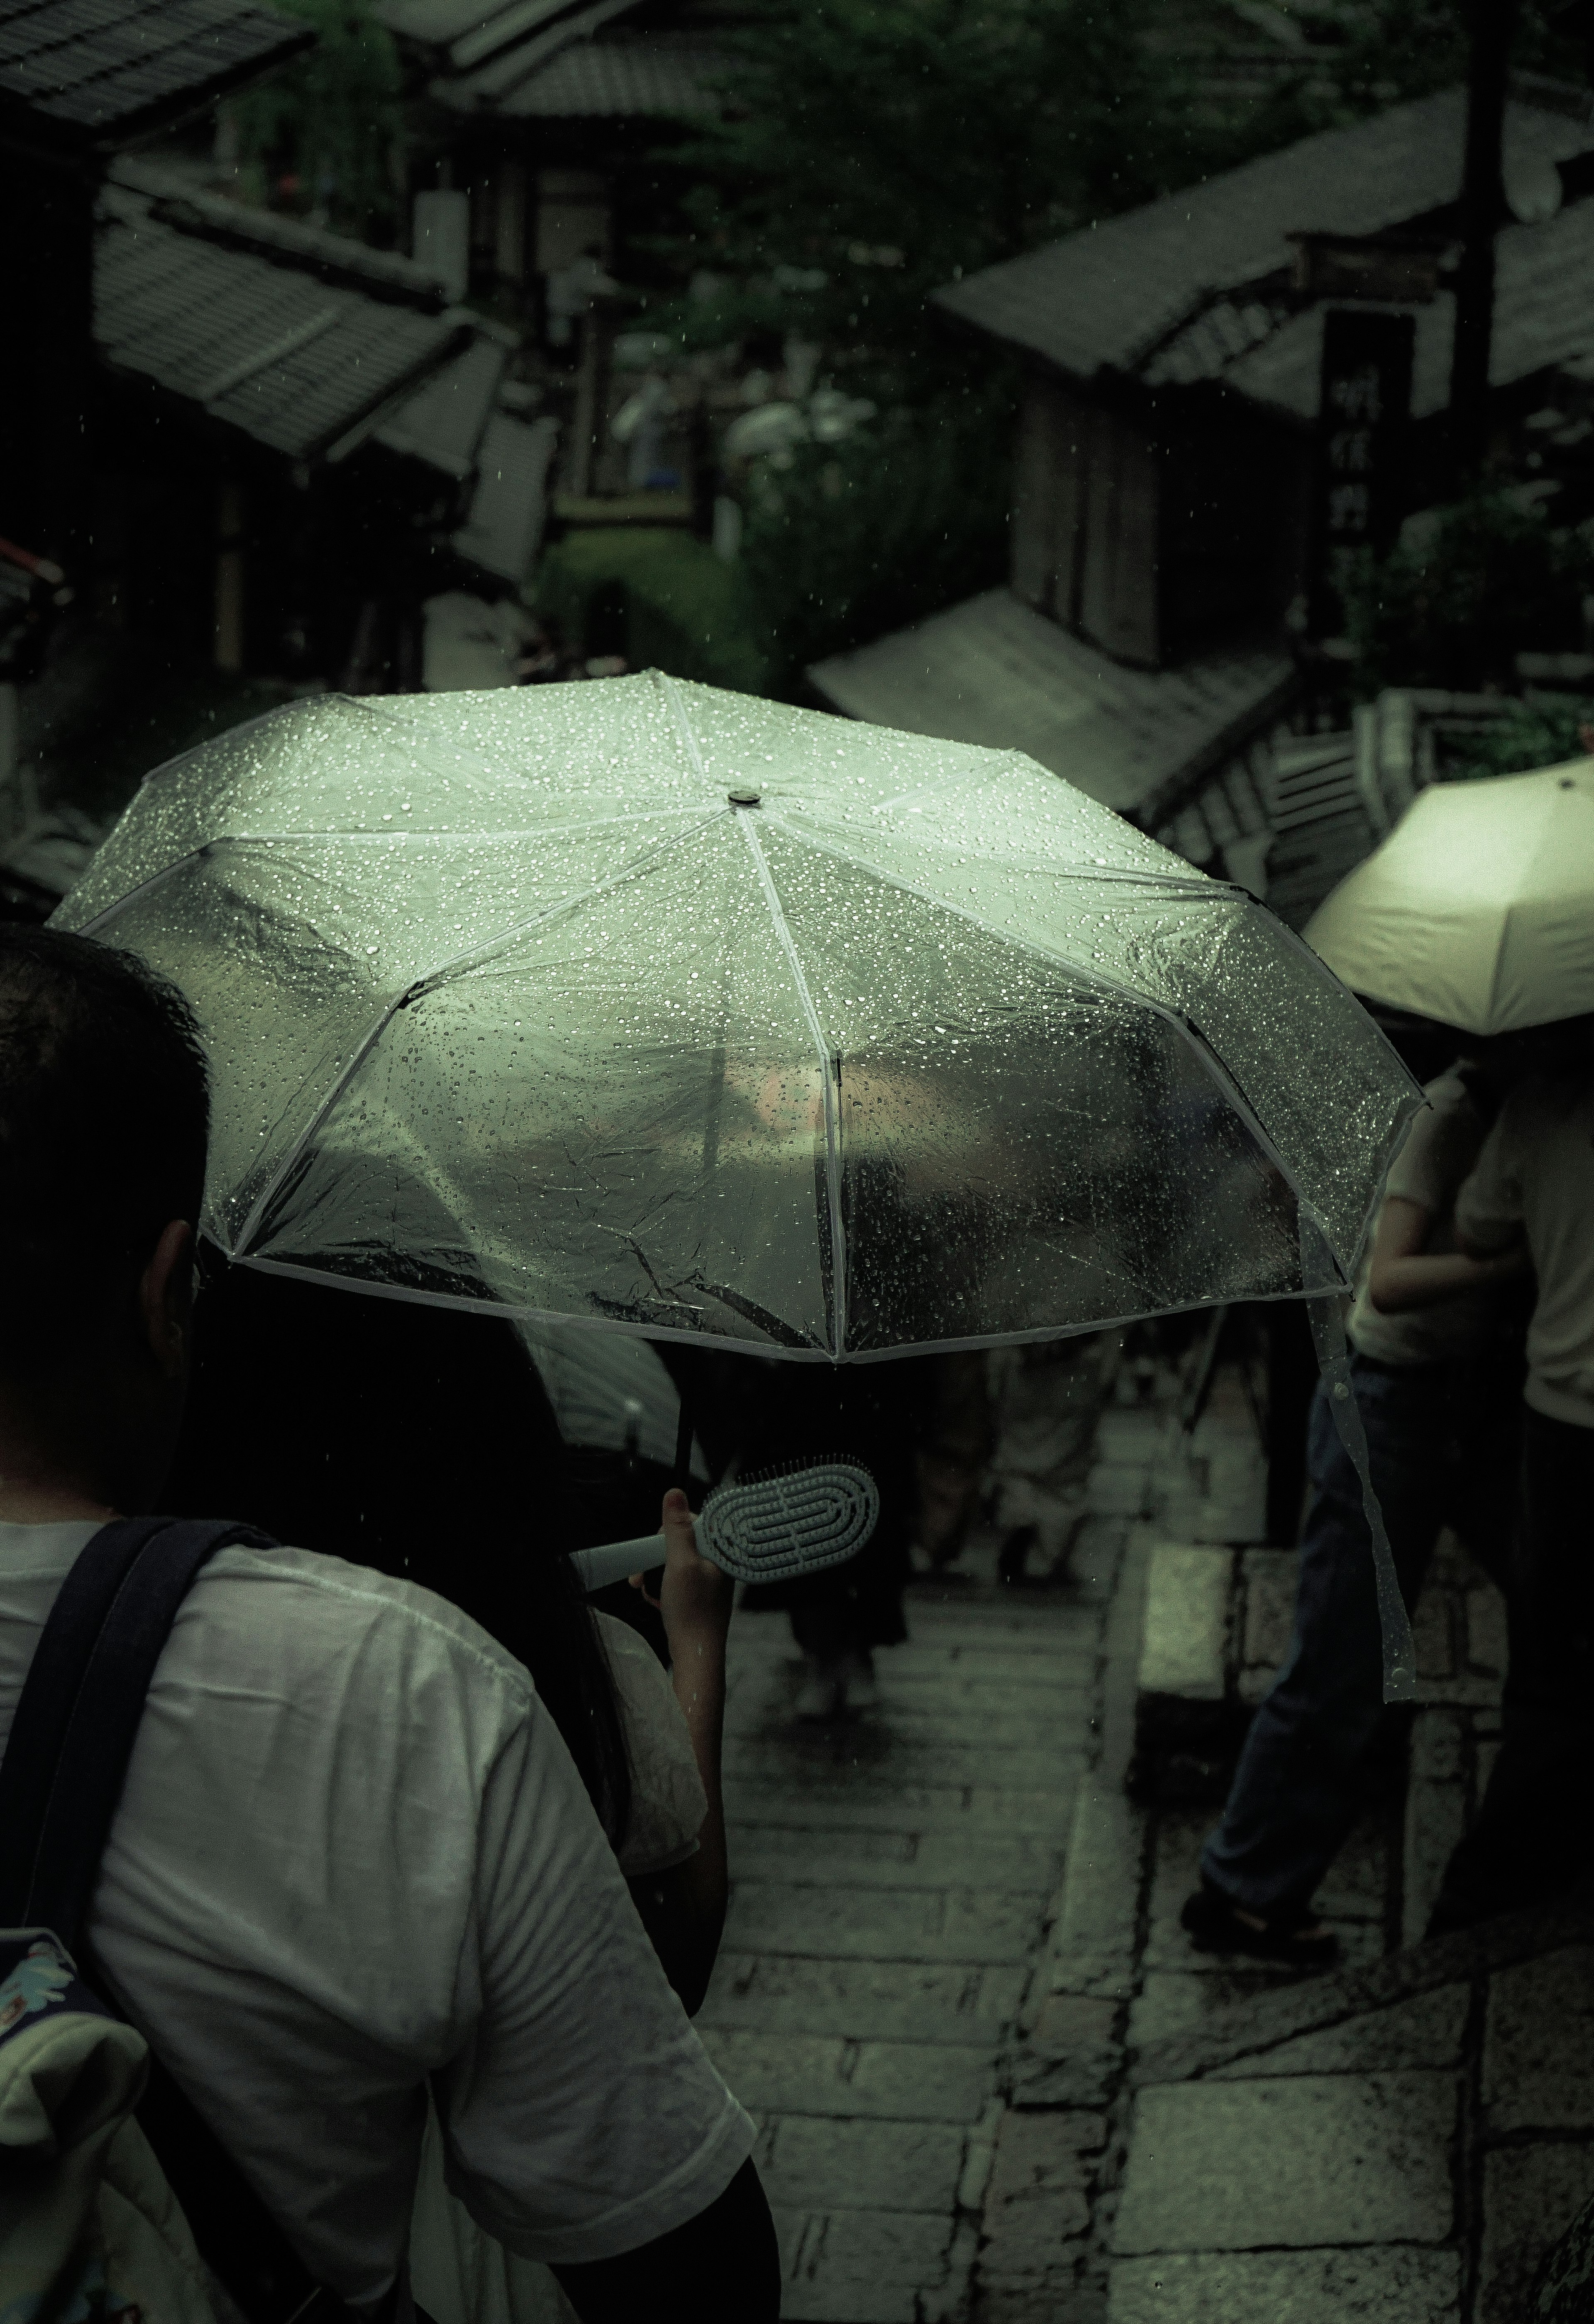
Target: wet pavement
[(893, 1877), (996, 2085)]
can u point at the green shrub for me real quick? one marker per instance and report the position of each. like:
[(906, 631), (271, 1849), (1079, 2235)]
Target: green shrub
[(1489, 580), (856, 539), (684, 610), (1542, 733)]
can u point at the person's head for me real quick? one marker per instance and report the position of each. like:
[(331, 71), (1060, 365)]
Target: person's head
[(414, 1439), (105, 1115)]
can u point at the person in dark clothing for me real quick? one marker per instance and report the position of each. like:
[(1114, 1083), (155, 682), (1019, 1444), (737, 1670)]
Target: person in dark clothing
[(755, 1413), (1435, 1371), (1534, 1837)]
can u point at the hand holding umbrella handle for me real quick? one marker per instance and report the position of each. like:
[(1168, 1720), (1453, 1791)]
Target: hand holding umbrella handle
[(761, 1529)]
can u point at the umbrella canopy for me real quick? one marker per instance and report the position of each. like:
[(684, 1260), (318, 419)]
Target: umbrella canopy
[(643, 1004), (1479, 908)]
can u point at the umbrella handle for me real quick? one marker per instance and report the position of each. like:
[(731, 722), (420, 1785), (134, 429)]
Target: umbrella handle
[(596, 1568)]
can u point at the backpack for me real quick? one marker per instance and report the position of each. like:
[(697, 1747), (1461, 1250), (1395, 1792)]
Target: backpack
[(116, 2203)]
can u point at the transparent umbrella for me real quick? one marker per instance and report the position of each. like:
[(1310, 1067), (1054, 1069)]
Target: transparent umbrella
[(647, 1005), (642, 1005)]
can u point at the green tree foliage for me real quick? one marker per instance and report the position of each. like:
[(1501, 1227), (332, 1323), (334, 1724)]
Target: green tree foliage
[(1364, 55), (1484, 580), (871, 151), (855, 538), (329, 121)]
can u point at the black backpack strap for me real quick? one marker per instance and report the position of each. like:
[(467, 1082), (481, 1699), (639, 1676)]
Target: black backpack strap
[(65, 1763), (79, 1714)]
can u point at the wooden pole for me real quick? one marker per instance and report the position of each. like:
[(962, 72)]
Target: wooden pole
[(1483, 212)]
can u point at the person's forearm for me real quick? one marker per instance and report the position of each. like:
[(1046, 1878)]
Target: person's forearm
[(1398, 1287), (698, 1674)]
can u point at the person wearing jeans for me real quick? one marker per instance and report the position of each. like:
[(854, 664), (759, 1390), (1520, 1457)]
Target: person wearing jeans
[(1431, 1372)]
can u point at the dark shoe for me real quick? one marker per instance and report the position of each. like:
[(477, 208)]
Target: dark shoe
[(1216, 1926)]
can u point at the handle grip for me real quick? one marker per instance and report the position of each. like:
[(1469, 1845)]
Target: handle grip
[(596, 1568)]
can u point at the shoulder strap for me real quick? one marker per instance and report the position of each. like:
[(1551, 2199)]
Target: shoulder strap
[(65, 1763), (79, 1714)]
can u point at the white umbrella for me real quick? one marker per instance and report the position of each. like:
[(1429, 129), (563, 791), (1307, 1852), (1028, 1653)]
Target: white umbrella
[(1477, 910)]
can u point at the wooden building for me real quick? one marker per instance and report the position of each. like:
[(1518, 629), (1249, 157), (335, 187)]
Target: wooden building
[(1166, 449), (77, 82), (300, 438), (552, 114)]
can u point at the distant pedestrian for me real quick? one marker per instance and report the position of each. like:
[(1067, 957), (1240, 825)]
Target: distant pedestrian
[(1432, 1374), (1535, 1833)]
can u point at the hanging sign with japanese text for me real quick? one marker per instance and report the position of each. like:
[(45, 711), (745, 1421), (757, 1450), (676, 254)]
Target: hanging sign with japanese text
[(1363, 419)]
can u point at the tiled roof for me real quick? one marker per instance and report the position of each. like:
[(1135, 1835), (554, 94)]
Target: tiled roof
[(491, 63), (335, 255), (503, 532), (648, 76), (470, 30), (1543, 315), (443, 422), (992, 671), (85, 73), (1113, 295), (294, 362)]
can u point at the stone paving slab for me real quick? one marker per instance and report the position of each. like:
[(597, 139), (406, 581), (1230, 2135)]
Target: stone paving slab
[(992, 1731), (956, 2004), (816, 2162), (858, 1757), (959, 1924), (863, 2267), (831, 1801), (1038, 2194), (898, 2081), (1428, 2030), (1538, 2049), (1173, 2003), (1307, 2005), (863, 1857), (1037, 1680), (1531, 2195), (1183, 1643), (1310, 2287), (1317, 2160)]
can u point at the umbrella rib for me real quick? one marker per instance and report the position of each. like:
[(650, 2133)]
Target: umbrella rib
[(833, 1175), (443, 974), (1182, 1025)]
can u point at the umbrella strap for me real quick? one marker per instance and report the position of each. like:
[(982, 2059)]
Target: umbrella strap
[(1333, 1363)]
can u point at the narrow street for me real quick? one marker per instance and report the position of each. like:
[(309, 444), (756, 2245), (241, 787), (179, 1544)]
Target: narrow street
[(893, 1883)]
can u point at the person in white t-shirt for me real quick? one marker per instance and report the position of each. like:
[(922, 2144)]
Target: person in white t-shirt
[(353, 1859)]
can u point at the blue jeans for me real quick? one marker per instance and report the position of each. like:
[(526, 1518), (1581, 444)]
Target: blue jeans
[(1441, 1453)]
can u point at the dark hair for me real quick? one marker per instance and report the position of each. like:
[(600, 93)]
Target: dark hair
[(105, 1117), (415, 1440)]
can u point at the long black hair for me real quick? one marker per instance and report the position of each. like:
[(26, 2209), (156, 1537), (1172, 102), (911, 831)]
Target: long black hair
[(103, 1117), (415, 1440)]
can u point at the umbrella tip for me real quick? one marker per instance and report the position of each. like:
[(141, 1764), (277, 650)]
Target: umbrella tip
[(744, 799)]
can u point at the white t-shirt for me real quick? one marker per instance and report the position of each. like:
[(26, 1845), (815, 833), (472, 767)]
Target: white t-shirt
[(1536, 1176), (353, 1853), (667, 1801), (1442, 1144)]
